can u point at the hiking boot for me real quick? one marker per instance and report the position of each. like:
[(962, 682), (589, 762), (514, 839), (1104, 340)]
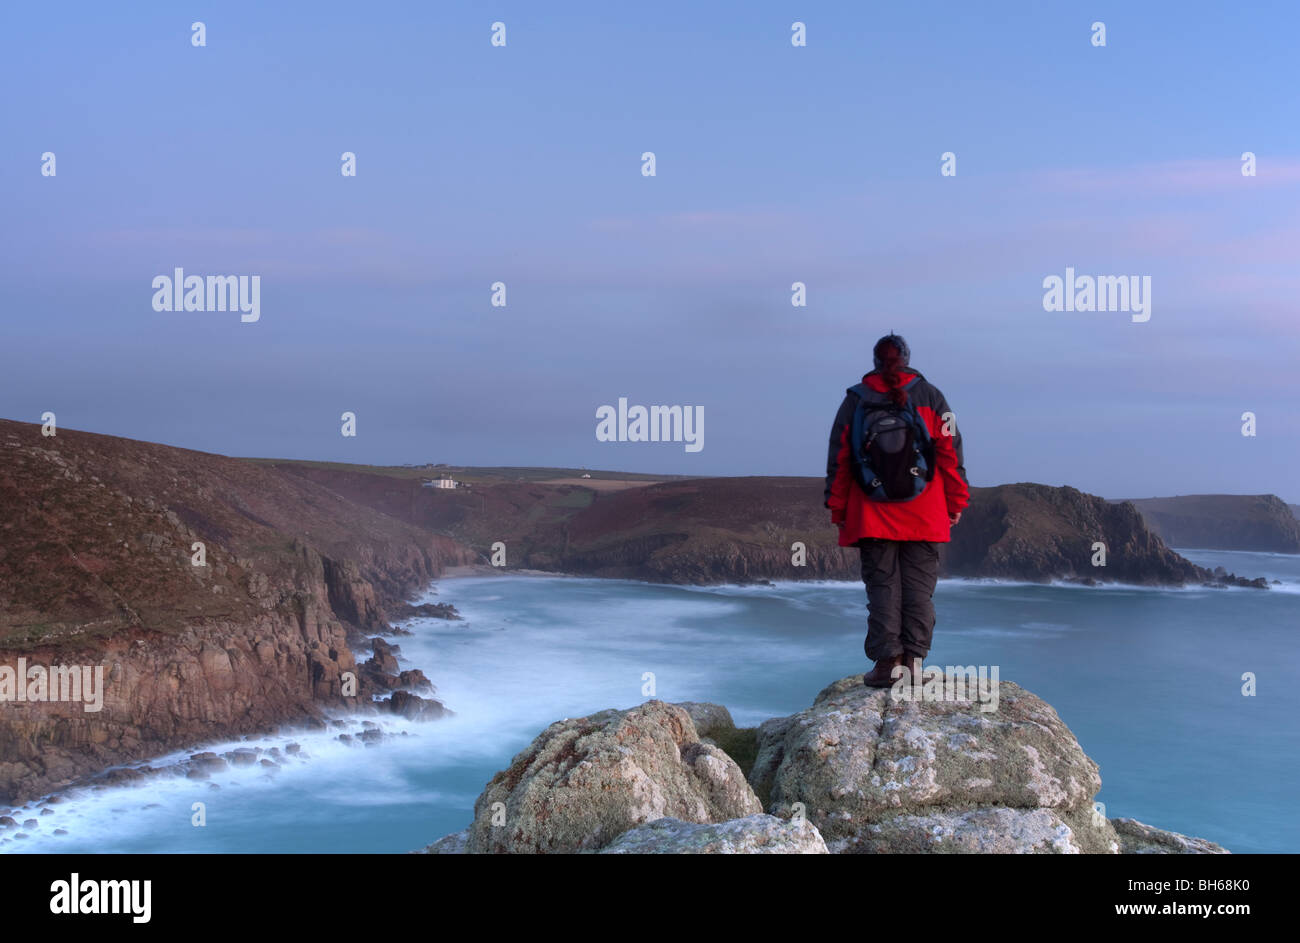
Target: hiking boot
[(915, 665), (879, 676)]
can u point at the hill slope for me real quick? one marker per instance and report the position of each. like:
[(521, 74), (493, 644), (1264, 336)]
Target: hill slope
[(1261, 522), (707, 530), (97, 539)]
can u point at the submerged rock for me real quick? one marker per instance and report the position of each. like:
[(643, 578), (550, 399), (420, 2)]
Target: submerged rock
[(427, 610), (414, 707), (457, 843), (1135, 838)]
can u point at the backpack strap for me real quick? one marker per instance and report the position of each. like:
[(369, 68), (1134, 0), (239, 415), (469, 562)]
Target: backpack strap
[(861, 391), (924, 440)]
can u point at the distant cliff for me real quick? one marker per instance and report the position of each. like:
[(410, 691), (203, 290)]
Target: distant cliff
[(729, 529), (1038, 532), (710, 530), (97, 546), (1261, 522)]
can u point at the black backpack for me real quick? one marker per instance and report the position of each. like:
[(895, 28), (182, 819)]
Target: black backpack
[(892, 452)]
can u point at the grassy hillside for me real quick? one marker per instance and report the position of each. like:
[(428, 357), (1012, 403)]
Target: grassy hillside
[(470, 473), (1224, 522), (700, 530), (97, 534)]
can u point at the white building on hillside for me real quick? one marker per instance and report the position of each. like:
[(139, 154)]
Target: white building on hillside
[(443, 482)]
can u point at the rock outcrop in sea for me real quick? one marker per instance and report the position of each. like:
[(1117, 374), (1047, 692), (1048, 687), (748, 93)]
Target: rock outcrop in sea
[(860, 771)]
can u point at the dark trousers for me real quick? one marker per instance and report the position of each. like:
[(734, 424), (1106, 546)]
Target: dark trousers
[(900, 576)]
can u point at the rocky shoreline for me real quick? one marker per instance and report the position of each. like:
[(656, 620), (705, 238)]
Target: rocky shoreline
[(858, 772), (219, 598), (1213, 579), (53, 746), (225, 597)]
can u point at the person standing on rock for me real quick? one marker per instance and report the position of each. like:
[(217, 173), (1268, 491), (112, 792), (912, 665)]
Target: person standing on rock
[(895, 485)]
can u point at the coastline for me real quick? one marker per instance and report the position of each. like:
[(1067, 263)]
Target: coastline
[(243, 764), (463, 571), (460, 571)]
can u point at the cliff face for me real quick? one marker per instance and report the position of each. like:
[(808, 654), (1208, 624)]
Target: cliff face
[(1261, 522), (710, 530), (704, 530), (97, 553), (213, 681), (1038, 532)]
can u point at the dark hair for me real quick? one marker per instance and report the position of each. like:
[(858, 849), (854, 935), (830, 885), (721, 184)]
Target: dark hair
[(890, 356)]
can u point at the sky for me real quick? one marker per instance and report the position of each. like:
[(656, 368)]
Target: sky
[(774, 164)]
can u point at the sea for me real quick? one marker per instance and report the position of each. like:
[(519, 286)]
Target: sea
[(1186, 698)]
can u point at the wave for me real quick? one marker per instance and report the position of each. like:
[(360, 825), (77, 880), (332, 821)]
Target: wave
[(774, 587), (158, 803), (1238, 553)]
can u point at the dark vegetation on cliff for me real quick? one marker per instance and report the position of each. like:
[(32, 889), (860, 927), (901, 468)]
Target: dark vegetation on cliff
[(97, 538), (704, 530)]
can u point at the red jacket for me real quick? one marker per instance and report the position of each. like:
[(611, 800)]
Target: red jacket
[(925, 517)]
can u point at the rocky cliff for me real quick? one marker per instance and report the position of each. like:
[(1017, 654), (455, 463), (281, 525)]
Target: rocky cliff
[(861, 771), (99, 540), (1038, 532), (710, 530), (1261, 522)]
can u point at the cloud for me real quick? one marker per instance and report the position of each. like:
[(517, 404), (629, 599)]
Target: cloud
[(1182, 176)]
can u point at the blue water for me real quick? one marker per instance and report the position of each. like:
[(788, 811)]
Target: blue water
[(1149, 680)]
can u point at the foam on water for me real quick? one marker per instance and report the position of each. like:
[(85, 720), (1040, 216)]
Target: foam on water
[(96, 817), (532, 650)]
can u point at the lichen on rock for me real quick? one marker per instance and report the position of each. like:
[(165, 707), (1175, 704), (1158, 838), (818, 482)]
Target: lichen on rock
[(584, 782)]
